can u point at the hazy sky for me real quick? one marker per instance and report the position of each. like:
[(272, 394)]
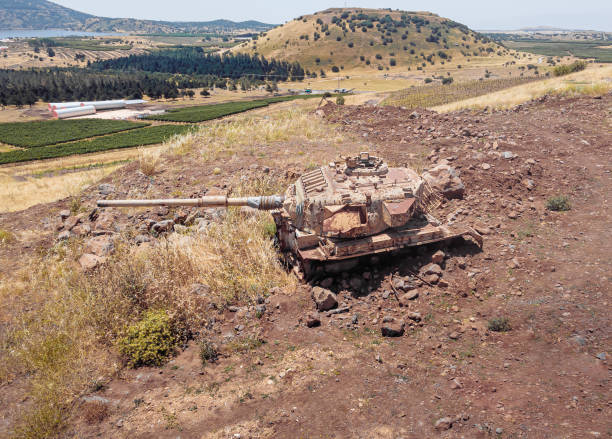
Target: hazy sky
[(477, 14)]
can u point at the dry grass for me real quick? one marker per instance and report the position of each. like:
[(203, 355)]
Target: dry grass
[(224, 138), (60, 334), (25, 185), (595, 80)]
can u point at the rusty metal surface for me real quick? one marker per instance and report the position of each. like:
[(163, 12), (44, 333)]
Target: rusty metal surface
[(351, 207)]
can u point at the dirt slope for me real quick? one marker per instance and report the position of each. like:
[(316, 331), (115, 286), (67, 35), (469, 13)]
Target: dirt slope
[(546, 272)]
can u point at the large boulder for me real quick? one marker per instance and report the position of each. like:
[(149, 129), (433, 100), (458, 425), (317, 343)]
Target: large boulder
[(324, 299), (445, 180)]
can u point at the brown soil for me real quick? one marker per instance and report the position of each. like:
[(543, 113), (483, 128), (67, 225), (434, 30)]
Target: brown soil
[(546, 272)]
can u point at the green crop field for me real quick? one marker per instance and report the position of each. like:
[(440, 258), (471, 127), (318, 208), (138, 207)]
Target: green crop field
[(438, 94), (137, 137), (51, 132), (579, 49), (214, 111), (207, 112)]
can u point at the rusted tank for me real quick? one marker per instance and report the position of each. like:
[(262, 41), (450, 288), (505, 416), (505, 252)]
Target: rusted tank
[(352, 207)]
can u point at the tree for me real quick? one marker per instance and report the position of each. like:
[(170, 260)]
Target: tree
[(50, 52), (190, 93), (204, 93)]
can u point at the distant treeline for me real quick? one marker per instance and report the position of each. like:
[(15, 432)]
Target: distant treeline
[(194, 61), (26, 87)]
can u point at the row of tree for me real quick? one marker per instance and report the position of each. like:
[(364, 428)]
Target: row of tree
[(26, 87), (194, 61)]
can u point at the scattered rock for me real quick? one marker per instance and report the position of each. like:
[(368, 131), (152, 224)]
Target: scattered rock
[(64, 214), (579, 340), (456, 384), (398, 283), (63, 236), (313, 320), (432, 278), (512, 214), (324, 299), (71, 222), (260, 309), (163, 226), (485, 166), (140, 239), (499, 430), (99, 246), (444, 424), (601, 356), (528, 183), (438, 257), (413, 315), (514, 263), (508, 155), (106, 189), (405, 299), (88, 261), (445, 180), (454, 335), (392, 329), (432, 269)]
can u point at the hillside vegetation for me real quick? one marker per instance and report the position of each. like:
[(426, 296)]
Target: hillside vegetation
[(371, 39)]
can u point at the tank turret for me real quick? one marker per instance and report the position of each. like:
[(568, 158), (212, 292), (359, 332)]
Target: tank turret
[(352, 207)]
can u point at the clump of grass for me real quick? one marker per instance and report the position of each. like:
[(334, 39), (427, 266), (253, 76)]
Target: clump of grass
[(559, 203), (151, 341), (94, 412), (340, 100), (244, 344), (499, 324), (208, 352), (148, 162), (6, 237)]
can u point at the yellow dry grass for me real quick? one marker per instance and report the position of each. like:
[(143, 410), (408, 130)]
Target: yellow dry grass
[(59, 335), (595, 80), (25, 185), (223, 138)]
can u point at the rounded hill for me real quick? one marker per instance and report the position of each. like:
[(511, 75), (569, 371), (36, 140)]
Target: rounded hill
[(371, 39)]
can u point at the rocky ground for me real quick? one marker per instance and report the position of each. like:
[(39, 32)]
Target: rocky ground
[(511, 340)]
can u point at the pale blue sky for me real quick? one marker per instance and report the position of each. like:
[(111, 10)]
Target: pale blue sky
[(477, 14)]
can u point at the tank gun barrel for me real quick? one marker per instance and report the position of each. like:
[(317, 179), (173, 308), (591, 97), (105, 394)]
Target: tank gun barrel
[(261, 203)]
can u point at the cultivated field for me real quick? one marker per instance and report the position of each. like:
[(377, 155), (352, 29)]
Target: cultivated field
[(433, 95), (136, 137), (35, 134)]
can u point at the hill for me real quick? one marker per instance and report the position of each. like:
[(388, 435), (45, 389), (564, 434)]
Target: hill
[(380, 39), (43, 14)]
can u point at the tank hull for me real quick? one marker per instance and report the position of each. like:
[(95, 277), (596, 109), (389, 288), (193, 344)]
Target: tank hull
[(310, 249)]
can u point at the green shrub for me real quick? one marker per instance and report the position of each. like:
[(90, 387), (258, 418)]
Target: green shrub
[(340, 100), (569, 68), (558, 204), (499, 324), (150, 341)]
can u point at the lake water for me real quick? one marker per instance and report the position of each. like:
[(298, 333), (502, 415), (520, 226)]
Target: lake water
[(50, 33)]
